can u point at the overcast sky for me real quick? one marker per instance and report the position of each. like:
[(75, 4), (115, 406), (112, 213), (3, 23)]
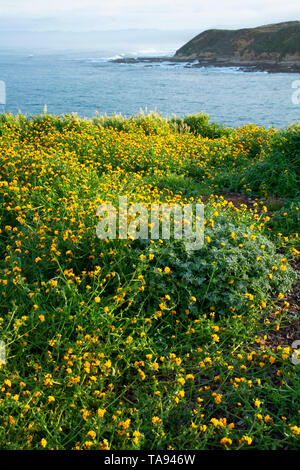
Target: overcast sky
[(84, 15)]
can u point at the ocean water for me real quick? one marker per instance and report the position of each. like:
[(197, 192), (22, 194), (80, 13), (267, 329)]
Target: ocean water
[(86, 82)]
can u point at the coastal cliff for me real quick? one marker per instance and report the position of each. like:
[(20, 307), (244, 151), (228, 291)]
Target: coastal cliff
[(271, 44)]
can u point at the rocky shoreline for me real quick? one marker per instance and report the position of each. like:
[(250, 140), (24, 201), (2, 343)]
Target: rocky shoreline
[(267, 66)]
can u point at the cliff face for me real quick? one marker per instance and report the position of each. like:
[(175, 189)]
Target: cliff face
[(276, 43)]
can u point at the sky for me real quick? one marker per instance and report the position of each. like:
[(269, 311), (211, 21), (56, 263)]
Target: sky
[(88, 15)]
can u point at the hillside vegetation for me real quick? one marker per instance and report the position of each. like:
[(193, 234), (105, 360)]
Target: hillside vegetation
[(140, 344), (275, 42)]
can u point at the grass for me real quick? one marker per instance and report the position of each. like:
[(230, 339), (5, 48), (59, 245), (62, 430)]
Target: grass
[(142, 345)]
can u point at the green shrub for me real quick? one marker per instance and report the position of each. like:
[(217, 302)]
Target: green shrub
[(236, 261), (277, 172), (199, 124), (148, 124), (287, 219)]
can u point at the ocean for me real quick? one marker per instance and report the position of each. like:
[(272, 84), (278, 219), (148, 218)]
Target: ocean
[(88, 82)]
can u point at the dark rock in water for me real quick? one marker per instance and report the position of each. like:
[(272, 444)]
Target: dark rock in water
[(272, 48)]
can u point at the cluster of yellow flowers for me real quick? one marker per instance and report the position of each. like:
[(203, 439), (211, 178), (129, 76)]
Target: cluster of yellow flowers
[(91, 358)]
